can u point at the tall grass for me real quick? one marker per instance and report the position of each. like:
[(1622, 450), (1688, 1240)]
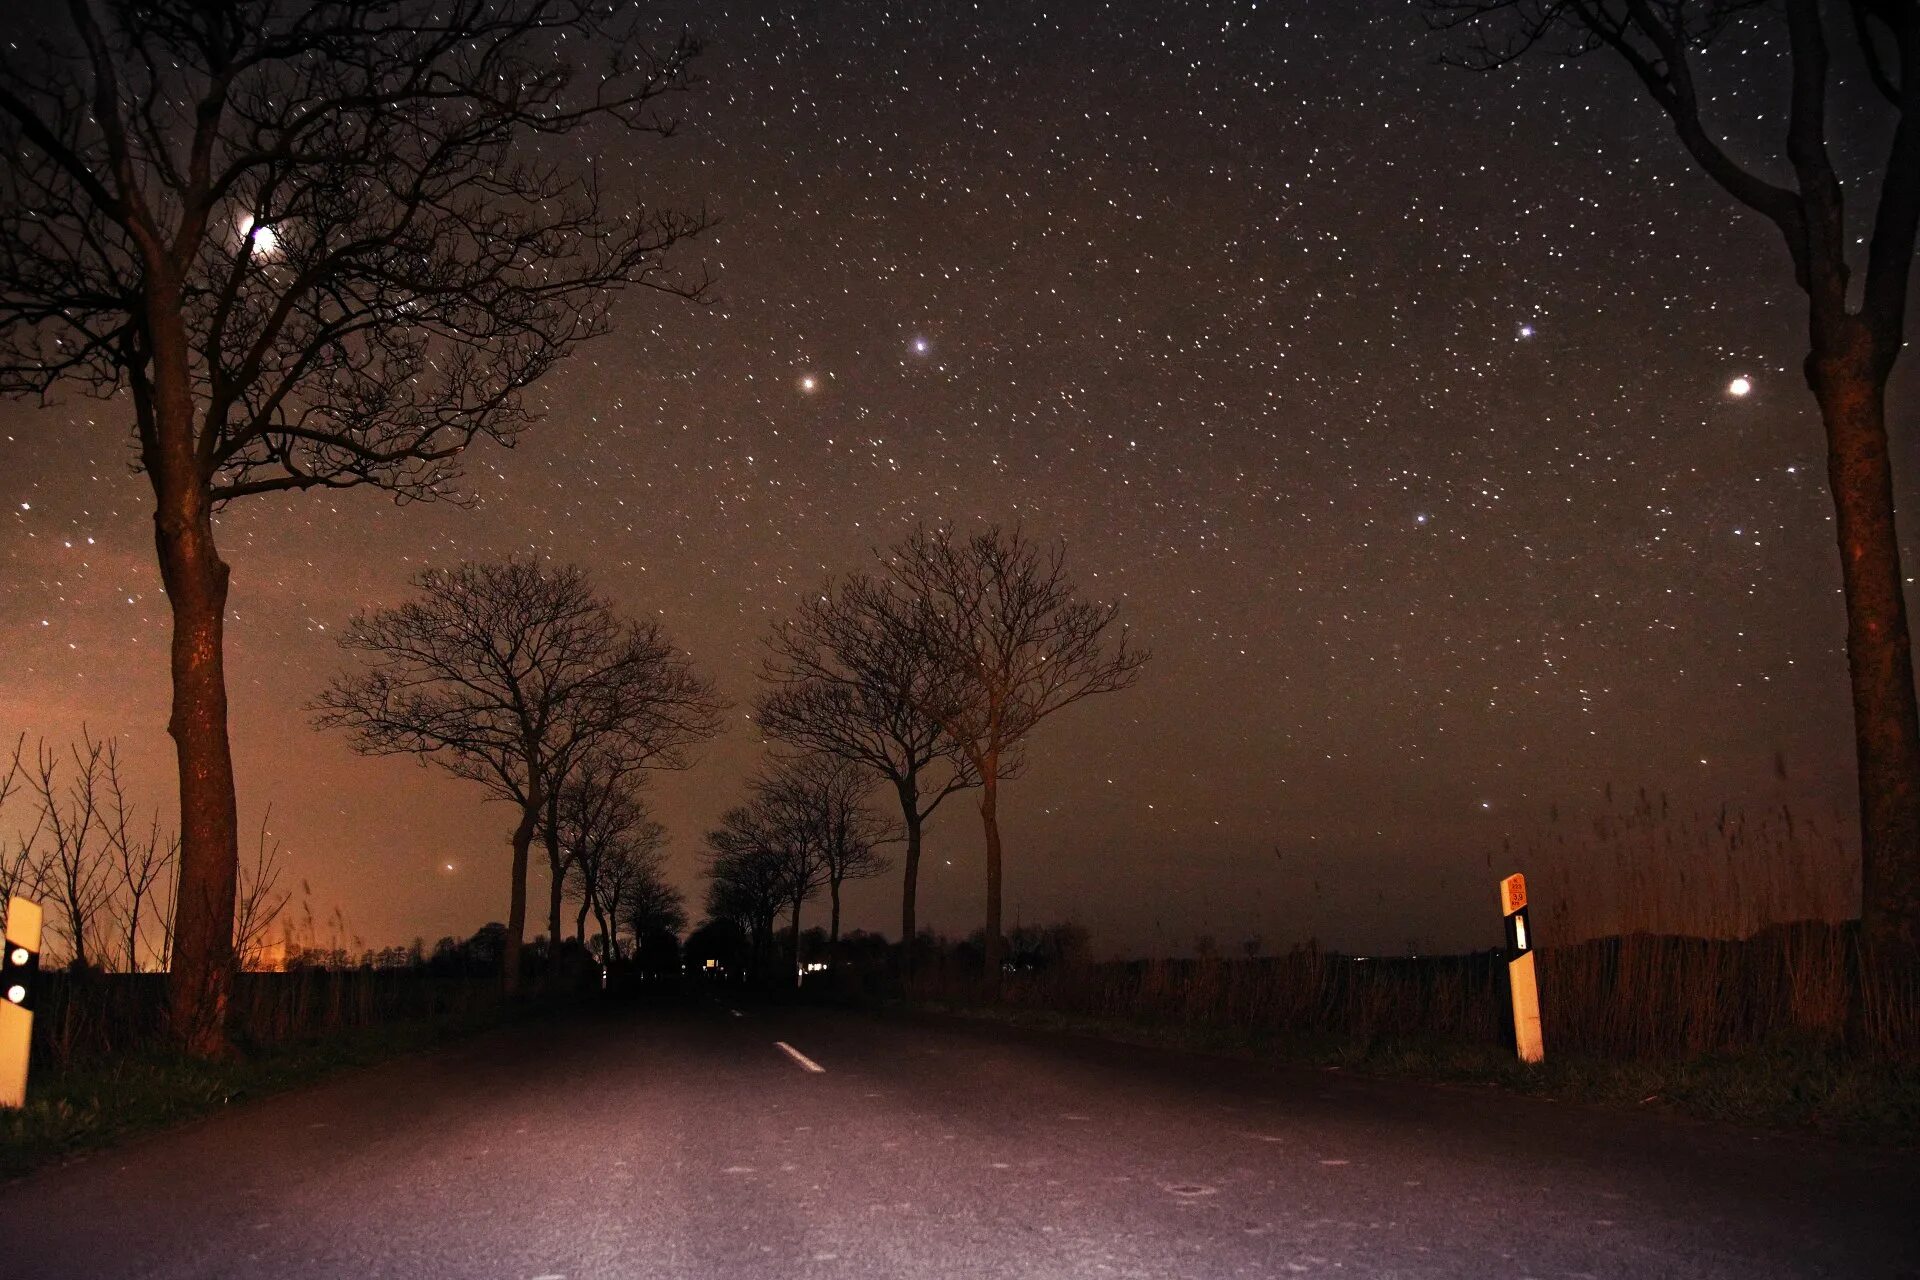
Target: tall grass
[(1668, 936), (81, 1016)]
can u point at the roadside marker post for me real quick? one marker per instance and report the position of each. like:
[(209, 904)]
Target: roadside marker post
[(19, 970), (1520, 977)]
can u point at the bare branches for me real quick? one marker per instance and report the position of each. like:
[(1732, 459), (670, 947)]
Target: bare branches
[(1659, 40), (513, 675), (340, 207), (260, 900), (1011, 642), (139, 860), (73, 870), (848, 680), (507, 674)]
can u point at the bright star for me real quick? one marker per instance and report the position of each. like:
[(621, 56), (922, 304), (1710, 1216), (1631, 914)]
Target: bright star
[(809, 383), (1526, 331), (1739, 387), (921, 346)]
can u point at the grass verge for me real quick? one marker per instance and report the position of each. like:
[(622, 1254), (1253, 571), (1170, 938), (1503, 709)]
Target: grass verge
[(96, 1102), (1782, 1085)]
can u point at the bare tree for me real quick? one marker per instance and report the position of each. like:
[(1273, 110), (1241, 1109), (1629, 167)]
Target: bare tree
[(319, 245), (140, 858), (1852, 345), (506, 674), (260, 900), (818, 806), (655, 908), (756, 869), (75, 873), (846, 682), (1012, 645), (612, 846)]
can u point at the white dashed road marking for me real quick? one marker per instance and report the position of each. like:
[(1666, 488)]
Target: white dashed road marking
[(798, 1056)]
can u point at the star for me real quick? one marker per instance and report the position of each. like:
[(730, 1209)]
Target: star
[(809, 383), (921, 346), (1739, 387)]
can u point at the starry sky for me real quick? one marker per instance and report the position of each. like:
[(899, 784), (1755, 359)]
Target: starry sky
[(1392, 401)]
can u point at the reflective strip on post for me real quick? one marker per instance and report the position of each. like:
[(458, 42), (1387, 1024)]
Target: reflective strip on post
[(1520, 976), (19, 971)]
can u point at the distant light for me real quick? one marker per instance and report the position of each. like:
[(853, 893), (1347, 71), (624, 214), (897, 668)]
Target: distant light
[(921, 346), (1739, 387), (265, 242), (17, 993), (809, 383), (1526, 331)]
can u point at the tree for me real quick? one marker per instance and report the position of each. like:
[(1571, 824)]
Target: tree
[(319, 245), (1852, 348), (818, 806), (259, 899), (506, 674), (140, 859), (747, 882), (846, 682), (1011, 645), (73, 869), (614, 850)]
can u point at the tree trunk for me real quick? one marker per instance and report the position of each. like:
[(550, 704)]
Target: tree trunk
[(580, 921), (910, 880), (200, 980), (517, 907), (552, 825), (793, 947), (990, 820), (833, 930), (1850, 385)]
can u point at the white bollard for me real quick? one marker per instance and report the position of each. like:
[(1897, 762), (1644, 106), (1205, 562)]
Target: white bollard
[(19, 969), (1520, 977)]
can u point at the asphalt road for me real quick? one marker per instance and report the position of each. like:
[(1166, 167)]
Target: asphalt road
[(686, 1142)]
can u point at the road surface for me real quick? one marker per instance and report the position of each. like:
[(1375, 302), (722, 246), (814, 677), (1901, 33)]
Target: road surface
[(694, 1141)]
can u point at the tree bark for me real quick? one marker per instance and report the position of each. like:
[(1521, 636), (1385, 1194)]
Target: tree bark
[(200, 979), (990, 821), (1848, 377), (517, 909), (553, 863), (910, 879)]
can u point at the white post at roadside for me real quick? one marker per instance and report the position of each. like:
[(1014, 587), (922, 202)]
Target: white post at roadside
[(19, 967), (1520, 976)]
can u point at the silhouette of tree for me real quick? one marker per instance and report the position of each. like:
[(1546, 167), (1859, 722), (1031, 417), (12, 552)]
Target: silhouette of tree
[(818, 804), (612, 847), (846, 682), (319, 246), (507, 674), (1852, 347), (749, 881), (1011, 645)]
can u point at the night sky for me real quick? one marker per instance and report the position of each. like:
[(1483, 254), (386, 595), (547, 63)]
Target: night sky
[(1391, 400)]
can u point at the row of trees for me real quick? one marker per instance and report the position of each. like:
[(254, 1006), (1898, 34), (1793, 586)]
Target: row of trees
[(520, 677), (309, 246), (926, 676), (805, 827)]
